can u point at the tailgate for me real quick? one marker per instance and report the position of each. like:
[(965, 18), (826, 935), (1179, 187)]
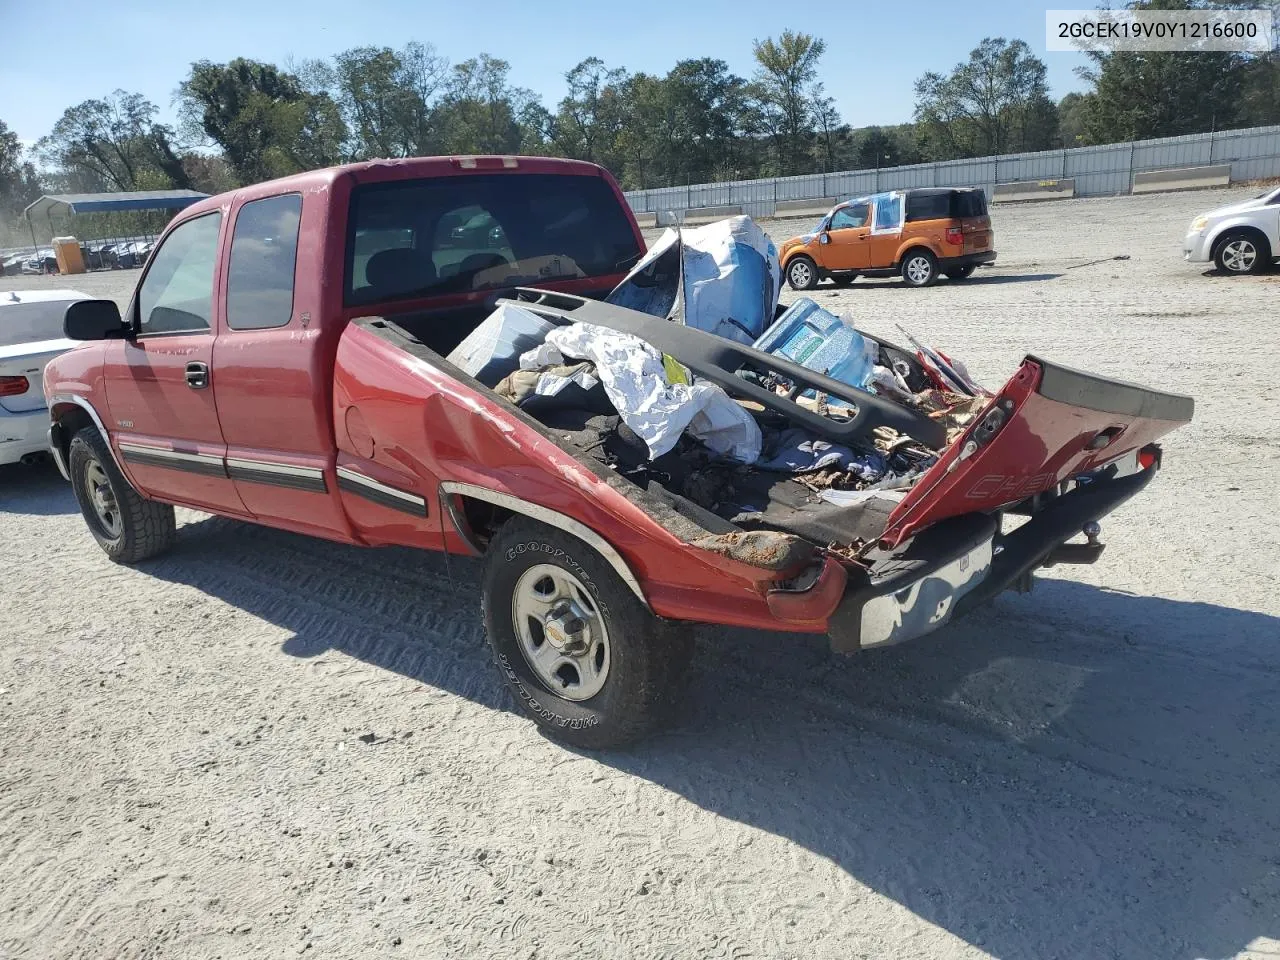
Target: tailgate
[(978, 237), (28, 360), (1047, 424)]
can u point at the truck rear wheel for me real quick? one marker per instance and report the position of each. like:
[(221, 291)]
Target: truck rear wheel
[(578, 651), (127, 526)]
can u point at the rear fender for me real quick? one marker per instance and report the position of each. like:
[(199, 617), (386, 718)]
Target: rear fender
[(909, 245), (426, 428)]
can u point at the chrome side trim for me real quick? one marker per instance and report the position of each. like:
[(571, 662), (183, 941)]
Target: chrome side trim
[(554, 519), (81, 402), (310, 479), (380, 493), (926, 604), (201, 463)]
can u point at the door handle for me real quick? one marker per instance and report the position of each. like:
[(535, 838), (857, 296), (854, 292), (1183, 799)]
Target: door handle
[(197, 375)]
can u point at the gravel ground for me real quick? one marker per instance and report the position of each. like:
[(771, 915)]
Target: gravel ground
[(263, 745)]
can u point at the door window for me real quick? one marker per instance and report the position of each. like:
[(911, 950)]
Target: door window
[(264, 253), (854, 215), (888, 213), (177, 293)]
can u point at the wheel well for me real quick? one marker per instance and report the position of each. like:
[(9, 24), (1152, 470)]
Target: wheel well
[(477, 521), (915, 246), (71, 419), (1252, 232)]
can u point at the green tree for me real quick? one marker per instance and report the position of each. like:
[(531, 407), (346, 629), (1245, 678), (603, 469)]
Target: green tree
[(788, 68), (387, 97), (266, 123), (482, 113), (995, 102), (113, 144), (883, 147), (19, 184), (590, 118), (1141, 94), (1073, 116)]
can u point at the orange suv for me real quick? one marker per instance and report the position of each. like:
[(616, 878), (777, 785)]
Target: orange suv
[(916, 233)]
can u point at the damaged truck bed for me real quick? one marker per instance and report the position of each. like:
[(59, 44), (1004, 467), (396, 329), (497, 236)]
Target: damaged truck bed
[(874, 566)]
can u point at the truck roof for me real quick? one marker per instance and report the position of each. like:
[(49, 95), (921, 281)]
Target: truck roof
[(407, 168)]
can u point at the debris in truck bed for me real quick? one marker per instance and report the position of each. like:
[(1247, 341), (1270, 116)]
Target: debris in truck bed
[(723, 278), (635, 380), (795, 451), (818, 339)]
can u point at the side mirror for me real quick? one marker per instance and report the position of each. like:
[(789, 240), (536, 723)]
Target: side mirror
[(824, 237), (93, 320)]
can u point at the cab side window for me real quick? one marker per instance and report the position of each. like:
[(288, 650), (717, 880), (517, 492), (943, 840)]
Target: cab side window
[(177, 293), (264, 253), (854, 216)]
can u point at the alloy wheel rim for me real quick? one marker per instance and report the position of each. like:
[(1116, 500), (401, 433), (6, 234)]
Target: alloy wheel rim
[(561, 633), (800, 273), (918, 269), (1239, 255)]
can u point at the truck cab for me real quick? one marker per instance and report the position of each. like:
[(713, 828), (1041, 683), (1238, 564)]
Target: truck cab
[(217, 391)]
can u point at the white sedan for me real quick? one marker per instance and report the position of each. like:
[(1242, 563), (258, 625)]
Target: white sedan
[(1241, 238), (30, 336)]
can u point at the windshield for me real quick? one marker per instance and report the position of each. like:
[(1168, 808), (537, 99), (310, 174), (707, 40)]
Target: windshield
[(416, 238)]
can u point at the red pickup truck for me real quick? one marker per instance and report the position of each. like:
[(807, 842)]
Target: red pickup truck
[(283, 361)]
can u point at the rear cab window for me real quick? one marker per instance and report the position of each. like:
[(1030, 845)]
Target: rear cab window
[(264, 255), (448, 235)]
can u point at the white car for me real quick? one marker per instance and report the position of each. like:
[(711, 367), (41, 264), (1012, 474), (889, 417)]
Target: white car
[(30, 336), (1241, 238)]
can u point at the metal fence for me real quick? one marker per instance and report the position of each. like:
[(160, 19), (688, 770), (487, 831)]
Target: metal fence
[(1097, 171)]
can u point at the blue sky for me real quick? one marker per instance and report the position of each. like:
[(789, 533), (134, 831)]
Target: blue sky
[(59, 54)]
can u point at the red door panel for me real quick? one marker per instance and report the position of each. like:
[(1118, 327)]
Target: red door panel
[(167, 431)]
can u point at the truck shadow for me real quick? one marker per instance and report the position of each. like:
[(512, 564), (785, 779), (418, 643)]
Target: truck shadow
[(36, 490), (1078, 773)]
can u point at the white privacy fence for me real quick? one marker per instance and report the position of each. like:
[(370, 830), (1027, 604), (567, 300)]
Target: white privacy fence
[(1097, 171)]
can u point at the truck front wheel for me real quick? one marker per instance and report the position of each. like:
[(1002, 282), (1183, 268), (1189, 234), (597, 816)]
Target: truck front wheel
[(579, 652), (127, 526)]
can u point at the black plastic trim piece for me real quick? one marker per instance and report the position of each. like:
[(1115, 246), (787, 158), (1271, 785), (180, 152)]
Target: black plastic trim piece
[(415, 506), (309, 483), (1079, 389), (204, 468)]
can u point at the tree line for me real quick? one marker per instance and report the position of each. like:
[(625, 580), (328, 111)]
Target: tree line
[(244, 121)]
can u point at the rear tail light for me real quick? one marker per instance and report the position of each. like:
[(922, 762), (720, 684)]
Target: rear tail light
[(1147, 459), (955, 235), (13, 386)]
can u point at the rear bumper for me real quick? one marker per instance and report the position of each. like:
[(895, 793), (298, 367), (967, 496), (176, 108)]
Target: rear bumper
[(959, 564), (967, 260), (22, 433)]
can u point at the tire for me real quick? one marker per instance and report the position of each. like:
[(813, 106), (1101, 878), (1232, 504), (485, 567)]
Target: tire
[(1241, 252), (919, 267), (128, 527), (591, 699), (802, 273), (960, 273)]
